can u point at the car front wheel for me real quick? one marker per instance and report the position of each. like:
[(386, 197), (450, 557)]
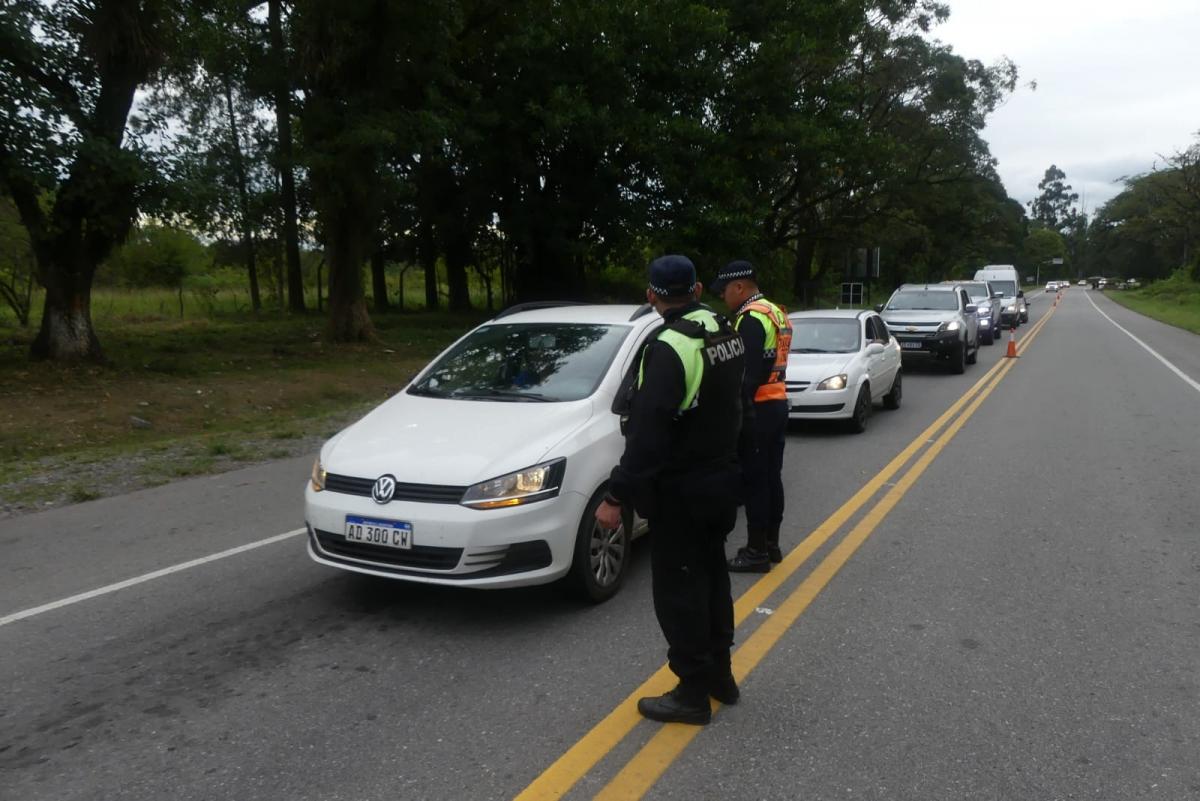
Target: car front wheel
[(892, 399), (862, 410), (958, 359), (601, 557)]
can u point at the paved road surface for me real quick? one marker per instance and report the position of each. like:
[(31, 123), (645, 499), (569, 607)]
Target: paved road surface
[(1013, 614)]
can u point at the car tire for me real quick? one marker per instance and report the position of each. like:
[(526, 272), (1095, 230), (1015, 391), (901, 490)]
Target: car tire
[(973, 356), (989, 338), (892, 399), (1025, 317), (958, 359), (862, 410), (601, 558)]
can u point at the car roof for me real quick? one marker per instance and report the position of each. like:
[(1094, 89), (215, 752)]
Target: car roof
[(595, 313), (947, 287), (828, 313)]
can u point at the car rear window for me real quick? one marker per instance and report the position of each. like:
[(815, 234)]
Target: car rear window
[(525, 362)]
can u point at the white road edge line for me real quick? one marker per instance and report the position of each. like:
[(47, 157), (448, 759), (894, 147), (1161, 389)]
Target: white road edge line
[(1195, 385), (166, 571)]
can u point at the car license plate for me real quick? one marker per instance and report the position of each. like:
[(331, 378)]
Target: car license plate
[(385, 533), (909, 345)]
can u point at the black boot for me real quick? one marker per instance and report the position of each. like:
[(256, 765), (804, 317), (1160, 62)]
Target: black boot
[(724, 688), (749, 560), (681, 705), (773, 552)]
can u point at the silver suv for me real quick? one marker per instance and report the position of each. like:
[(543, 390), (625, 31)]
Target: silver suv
[(934, 320)]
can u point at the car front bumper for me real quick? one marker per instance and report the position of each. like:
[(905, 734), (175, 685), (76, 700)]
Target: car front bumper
[(917, 344), (826, 404), (451, 544)]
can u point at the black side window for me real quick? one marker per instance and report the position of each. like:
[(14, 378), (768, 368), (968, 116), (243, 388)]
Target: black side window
[(962, 295), (872, 330)]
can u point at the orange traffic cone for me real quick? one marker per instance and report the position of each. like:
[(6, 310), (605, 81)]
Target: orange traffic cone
[(1012, 343)]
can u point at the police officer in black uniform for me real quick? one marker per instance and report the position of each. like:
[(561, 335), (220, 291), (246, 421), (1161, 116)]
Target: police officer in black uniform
[(680, 471)]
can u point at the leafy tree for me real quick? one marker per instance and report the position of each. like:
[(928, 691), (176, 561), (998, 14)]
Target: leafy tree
[(1042, 246), (1054, 207), (68, 75)]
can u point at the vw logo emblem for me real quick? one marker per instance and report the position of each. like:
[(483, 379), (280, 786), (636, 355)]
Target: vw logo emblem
[(910, 328), (383, 489)]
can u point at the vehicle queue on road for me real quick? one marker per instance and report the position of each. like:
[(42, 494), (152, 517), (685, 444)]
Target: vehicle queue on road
[(486, 470)]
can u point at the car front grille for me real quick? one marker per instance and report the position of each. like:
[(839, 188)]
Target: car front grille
[(420, 493), (827, 407), (501, 560), (797, 386), (424, 557)]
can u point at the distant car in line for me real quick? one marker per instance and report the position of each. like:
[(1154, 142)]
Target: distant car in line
[(1081, 282), (842, 361), (1004, 278), (987, 307), (1051, 286)]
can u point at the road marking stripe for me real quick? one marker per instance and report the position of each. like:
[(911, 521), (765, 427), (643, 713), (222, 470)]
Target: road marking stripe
[(166, 571), (1192, 383), (645, 768), (574, 764)]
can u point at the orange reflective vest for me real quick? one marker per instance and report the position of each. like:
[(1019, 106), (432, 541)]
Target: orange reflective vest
[(777, 345)]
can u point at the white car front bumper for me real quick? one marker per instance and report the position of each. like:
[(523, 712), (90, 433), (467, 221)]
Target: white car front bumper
[(827, 404), (451, 544)]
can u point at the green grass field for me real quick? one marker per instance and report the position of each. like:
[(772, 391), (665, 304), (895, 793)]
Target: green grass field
[(1175, 300)]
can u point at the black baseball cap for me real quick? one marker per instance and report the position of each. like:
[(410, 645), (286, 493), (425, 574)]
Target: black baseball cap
[(734, 271), (672, 276)]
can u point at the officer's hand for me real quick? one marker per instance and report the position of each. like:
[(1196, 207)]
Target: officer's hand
[(608, 515)]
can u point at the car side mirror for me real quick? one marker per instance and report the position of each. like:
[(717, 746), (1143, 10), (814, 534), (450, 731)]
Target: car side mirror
[(875, 348), (971, 308), (997, 295), (878, 308)]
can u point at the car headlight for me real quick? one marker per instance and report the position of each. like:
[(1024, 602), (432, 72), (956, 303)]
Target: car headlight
[(984, 310), (833, 382), (1013, 307), (317, 482), (950, 325), (524, 486)]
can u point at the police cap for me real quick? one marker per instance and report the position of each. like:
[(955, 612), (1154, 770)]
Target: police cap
[(740, 270), (672, 276)]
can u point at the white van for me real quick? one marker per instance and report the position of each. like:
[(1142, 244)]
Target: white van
[(1004, 279)]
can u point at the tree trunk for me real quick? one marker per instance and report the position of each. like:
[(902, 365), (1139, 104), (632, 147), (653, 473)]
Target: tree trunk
[(239, 169), (457, 256), (348, 317), (427, 255), (287, 179), (66, 333), (379, 281), (802, 267)]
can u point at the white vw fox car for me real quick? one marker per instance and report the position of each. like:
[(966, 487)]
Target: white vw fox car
[(841, 363), (485, 471)]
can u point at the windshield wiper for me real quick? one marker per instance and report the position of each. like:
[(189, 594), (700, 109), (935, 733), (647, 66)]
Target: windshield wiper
[(426, 392), (505, 394)]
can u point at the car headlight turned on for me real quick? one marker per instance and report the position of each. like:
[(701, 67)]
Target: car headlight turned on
[(1011, 308), (535, 483), (949, 325), (318, 476), (833, 382)]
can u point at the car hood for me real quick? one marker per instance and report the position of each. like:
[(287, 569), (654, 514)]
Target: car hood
[(454, 442), (816, 366), (917, 316)]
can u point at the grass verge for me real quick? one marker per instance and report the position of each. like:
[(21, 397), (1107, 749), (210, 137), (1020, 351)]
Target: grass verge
[(1175, 301), (186, 398)]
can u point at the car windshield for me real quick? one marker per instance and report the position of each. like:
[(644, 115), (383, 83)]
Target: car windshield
[(822, 335), (977, 291), (923, 300), (1006, 288), (525, 362)]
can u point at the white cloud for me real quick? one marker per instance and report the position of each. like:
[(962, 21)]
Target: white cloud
[(1116, 86)]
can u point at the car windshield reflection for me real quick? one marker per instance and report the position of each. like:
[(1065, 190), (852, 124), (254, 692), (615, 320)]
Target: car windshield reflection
[(822, 335), (525, 362)]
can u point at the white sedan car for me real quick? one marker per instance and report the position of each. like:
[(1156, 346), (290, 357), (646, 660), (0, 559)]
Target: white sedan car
[(485, 471), (841, 363)]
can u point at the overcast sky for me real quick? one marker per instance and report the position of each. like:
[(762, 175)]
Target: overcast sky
[(1118, 83)]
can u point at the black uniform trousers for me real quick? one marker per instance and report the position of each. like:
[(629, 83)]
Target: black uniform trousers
[(690, 578), (761, 455)]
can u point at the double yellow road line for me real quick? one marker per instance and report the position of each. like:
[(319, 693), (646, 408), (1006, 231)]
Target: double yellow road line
[(641, 772)]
